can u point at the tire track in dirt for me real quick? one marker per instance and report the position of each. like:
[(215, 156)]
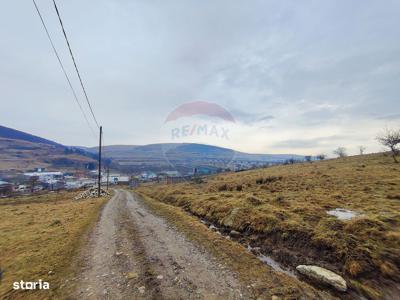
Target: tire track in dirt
[(114, 264), (134, 254)]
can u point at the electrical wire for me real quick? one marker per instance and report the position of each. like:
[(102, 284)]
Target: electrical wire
[(62, 68), (76, 67)]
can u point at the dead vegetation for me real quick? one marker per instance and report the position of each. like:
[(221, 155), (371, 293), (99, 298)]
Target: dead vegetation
[(39, 236), (260, 280), (283, 210)]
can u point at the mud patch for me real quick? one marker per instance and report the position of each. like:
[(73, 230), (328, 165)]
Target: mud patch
[(234, 235), (272, 251)]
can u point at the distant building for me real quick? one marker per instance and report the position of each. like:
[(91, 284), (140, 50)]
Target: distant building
[(115, 179), (148, 175), (53, 184), (123, 180), (203, 171), (21, 188), (44, 176), (172, 173)]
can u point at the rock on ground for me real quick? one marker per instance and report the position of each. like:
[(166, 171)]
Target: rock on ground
[(323, 275), (91, 193)]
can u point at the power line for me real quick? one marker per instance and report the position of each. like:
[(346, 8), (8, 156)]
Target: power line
[(73, 59), (62, 67)]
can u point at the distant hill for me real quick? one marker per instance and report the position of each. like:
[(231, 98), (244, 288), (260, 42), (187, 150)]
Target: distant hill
[(182, 156), (24, 151), (9, 133), (20, 150)]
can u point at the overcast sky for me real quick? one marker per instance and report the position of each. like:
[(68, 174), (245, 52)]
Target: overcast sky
[(298, 76)]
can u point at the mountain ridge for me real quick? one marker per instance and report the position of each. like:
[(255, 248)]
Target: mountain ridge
[(129, 158), (11, 133)]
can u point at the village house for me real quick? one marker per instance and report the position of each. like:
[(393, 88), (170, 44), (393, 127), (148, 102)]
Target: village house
[(115, 179)]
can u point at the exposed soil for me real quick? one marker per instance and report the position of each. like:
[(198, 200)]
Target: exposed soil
[(282, 258), (135, 254)]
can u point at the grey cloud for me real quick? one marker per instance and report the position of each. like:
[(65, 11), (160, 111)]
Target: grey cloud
[(250, 118), (308, 143), (389, 117), (269, 63)]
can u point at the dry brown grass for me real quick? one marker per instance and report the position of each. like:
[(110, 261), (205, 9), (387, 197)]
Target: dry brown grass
[(39, 234), (285, 206), (263, 282)]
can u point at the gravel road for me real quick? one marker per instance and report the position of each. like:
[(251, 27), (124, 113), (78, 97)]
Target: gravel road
[(134, 254)]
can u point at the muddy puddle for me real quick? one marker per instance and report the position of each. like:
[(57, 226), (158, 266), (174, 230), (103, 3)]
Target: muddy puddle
[(272, 263), (341, 214), (256, 251)]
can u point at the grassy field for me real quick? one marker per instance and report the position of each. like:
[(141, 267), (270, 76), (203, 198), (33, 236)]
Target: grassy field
[(262, 282), (39, 237), (283, 210)]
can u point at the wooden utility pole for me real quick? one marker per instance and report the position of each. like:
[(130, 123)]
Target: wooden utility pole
[(99, 177), (108, 175)]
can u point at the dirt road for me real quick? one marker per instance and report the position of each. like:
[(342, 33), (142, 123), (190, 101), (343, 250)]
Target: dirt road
[(134, 254)]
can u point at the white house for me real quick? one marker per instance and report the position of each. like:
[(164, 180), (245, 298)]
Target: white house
[(115, 179), (45, 176)]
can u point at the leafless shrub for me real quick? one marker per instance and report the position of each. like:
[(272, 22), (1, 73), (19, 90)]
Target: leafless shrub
[(362, 149), (340, 152), (268, 179), (259, 180), (222, 188), (308, 158), (254, 200), (290, 161), (390, 138), (32, 181)]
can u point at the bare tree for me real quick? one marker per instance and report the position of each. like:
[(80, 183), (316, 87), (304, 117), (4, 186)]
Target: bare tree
[(362, 149), (340, 152), (321, 156), (291, 161), (391, 139), (33, 180)]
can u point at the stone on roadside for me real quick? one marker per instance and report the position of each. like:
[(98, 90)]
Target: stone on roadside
[(131, 275), (323, 275), (234, 233), (91, 193), (213, 228)]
